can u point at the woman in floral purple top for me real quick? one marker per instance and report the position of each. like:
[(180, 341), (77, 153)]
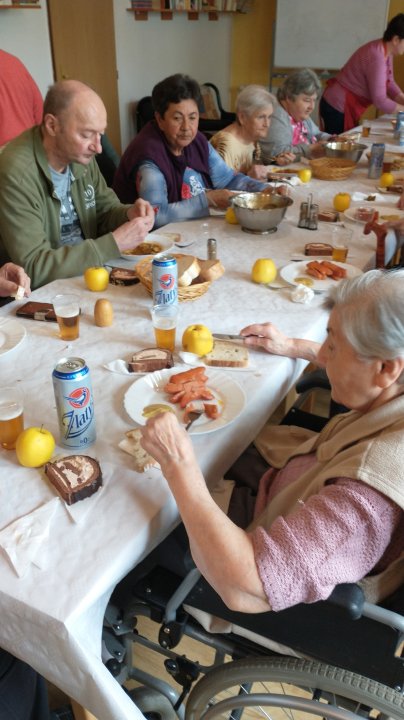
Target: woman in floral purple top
[(171, 164)]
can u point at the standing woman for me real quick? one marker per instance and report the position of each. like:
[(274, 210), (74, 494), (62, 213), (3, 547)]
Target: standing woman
[(238, 144), (292, 132), (366, 79)]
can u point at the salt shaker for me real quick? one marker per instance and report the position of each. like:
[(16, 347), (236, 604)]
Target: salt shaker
[(303, 217), (312, 223), (212, 248)]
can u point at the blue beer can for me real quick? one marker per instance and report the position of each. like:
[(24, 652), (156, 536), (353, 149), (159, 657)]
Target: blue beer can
[(164, 280), (74, 403), (376, 160)]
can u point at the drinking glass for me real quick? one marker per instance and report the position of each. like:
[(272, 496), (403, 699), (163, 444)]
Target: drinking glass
[(164, 319), (67, 310), (340, 239), (11, 416)]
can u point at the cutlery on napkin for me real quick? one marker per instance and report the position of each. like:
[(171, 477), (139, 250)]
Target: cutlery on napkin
[(22, 539)]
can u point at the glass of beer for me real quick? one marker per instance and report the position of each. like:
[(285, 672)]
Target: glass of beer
[(366, 129), (11, 416), (164, 319), (341, 237), (67, 310)]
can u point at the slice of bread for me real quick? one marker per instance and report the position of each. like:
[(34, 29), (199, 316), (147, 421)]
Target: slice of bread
[(317, 249), (227, 354), (210, 270), (188, 269), (151, 359), (75, 477), (131, 444)]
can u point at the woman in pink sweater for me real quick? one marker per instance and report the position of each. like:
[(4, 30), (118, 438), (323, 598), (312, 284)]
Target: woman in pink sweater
[(366, 79), (331, 507)]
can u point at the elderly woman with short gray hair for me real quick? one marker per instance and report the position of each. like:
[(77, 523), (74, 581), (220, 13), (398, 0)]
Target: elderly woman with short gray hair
[(238, 144), (330, 507), (292, 132)]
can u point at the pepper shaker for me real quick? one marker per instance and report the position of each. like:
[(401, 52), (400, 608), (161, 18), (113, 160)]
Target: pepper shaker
[(212, 249), (303, 217)]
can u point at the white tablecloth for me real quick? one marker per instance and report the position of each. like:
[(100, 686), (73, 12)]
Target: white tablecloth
[(52, 617)]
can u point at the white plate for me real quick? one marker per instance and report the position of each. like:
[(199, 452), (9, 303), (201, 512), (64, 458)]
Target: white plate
[(148, 390), (298, 269), (166, 241), (383, 210), (12, 333)]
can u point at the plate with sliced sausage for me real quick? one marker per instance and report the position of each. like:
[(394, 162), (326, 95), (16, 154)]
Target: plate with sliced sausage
[(220, 398), (319, 274)]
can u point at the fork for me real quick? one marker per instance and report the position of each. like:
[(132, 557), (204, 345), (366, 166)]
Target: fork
[(192, 416)]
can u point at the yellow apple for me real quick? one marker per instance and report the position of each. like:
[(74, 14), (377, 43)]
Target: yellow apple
[(34, 447), (342, 201), (264, 271), (103, 313), (386, 179), (197, 339), (230, 216), (304, 175), (96, 278)]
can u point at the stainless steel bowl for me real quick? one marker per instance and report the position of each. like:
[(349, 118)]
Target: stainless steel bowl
[(260, 213), (347, 150)]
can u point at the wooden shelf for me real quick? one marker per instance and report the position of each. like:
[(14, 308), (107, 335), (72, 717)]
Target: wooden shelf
[(21, 6), (168, 14)]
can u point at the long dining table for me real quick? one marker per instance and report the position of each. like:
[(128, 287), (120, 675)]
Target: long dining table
[(52, 610)]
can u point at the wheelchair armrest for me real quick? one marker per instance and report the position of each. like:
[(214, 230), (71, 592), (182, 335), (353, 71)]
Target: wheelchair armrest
[(350, 597), (311, 380)]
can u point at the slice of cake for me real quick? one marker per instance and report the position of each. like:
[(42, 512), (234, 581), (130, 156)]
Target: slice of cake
[(151, 359), (123, 276), (75, 477)]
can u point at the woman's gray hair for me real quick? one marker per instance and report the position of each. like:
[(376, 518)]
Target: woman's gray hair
[(371, 307), (301, 82), (253, 98)]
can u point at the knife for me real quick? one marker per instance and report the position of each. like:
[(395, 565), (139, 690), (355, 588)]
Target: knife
[(228, 336)]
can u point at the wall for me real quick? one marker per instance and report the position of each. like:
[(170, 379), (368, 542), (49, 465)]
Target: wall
[(24, 33), (148, 51)]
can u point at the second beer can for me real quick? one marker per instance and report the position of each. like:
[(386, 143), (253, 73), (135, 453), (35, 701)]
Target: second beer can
[(376, 160), (164, 280), (74, 403)]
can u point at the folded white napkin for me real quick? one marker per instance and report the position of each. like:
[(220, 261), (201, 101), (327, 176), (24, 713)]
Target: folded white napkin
[(302, 294), (22, 539), (361, 197), (119, 366)]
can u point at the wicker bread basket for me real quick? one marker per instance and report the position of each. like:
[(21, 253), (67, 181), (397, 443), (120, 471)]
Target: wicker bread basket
[(327, 168), (191, 292)]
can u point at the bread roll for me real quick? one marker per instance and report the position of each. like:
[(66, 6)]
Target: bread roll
[(210, 270), (188, 269)]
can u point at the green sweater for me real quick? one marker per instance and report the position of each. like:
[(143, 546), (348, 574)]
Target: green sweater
[(30, 214)]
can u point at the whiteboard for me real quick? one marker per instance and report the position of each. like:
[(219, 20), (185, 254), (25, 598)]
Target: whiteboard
[(323, 34)]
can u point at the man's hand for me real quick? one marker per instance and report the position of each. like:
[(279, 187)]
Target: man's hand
[(11, 278), (133, 232)]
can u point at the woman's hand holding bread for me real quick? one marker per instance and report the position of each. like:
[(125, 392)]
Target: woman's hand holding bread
[(170, 445)]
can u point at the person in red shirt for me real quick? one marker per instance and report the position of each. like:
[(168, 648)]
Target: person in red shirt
[(21, 102)]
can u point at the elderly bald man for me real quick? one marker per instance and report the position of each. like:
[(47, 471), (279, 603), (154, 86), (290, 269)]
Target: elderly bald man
[(57, 215)]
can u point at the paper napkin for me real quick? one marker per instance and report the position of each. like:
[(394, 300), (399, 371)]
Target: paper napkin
[(22, 539)]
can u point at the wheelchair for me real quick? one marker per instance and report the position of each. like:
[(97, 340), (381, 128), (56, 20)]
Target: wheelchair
[(342, 658)]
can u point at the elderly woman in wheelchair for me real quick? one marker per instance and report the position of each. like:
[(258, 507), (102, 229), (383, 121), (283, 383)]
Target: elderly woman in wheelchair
[(329, 510)]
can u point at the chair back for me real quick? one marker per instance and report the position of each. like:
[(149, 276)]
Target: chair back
[(143, 112)]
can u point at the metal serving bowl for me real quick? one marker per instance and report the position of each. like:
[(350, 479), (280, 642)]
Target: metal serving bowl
[(260, 213), (346, 150)]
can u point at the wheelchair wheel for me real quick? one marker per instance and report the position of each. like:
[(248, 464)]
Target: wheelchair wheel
[(282, 687)]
